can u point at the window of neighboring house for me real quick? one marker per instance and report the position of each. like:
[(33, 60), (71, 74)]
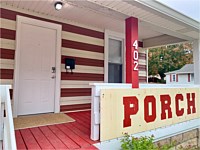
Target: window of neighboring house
[(192, 77), (173, 78)]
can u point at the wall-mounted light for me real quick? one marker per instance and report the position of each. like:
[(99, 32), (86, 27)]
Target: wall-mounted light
[(58, 5)]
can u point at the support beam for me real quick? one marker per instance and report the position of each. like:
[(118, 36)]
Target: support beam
[(132, 52), (196, 57)]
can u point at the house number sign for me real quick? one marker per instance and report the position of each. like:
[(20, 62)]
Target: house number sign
[(135, 55)]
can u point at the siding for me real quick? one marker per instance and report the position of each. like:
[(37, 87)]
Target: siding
[(84, 44)]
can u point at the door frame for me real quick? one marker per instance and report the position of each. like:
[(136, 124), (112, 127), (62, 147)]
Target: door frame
[(19, 21), (117, 36)]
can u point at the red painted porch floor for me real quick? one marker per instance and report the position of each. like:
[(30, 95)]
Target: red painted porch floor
[(74, 135)]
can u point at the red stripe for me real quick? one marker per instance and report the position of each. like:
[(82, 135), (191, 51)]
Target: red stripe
[(76, 92), (142, 67), (41, 139), (82, 46), (142, 79), (7, 34), (142, 56), (6, 73), (140, 44), (29, 140), (7, 53), (188, 77), (83, 31), (75, 107), (57, 143), (8, 14), (85, 61), (82, 76)]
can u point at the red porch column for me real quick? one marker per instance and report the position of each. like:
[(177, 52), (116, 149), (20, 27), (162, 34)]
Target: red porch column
[(132, 55)]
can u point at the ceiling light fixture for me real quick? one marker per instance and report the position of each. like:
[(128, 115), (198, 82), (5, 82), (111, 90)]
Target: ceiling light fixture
[(58, 5)]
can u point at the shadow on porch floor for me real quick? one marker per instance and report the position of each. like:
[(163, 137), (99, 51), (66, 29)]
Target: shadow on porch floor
[(75, 135)]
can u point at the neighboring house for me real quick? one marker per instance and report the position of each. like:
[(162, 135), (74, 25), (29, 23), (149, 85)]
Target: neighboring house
[(185, 75)]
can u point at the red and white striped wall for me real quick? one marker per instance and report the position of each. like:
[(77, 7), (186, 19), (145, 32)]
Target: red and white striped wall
[(85, 44)]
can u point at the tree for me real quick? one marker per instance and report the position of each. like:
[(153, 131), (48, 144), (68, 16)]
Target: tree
[(169, 58)]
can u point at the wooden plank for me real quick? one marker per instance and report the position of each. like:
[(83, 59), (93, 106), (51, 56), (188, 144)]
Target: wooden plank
[(75, 107), (64, 138), (79, 120), (19, 140), (72, 135), (82, 46), (53, 139), (81, 127), (82, 118), (41, 139), (29, 139), (80, 133)]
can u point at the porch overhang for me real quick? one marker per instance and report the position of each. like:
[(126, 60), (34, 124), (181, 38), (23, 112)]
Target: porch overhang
[(154, 17)]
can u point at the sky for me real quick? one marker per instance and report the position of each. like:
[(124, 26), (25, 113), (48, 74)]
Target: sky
[(189, 8)]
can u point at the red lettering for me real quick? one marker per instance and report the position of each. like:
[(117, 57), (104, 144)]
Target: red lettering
[(191, 103), (165, 105), (179, 112), (147, 116), (129, 110)]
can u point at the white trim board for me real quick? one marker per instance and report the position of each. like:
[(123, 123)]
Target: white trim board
[(56, 27)]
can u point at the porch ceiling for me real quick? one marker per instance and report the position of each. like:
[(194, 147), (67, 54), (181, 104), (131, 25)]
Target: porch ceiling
[(109, 14)]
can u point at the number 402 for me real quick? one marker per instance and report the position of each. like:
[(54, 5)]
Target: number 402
[(135, 55)]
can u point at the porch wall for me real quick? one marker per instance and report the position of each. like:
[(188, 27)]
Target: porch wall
[(84, 44)]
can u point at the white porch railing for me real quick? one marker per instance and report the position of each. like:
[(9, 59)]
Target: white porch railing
[(7, 133)]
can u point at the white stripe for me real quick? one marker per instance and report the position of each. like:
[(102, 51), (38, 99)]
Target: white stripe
[(8, 24), (6, 81), (82, 53), (75, 100), (71, 86), (8, 44), (77, 82), (82, 38), (6, 64), (143, 73), (142, 62), (85, 69), (6, 61)]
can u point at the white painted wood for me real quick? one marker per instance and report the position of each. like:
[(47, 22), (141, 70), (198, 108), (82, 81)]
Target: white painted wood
[(85, 69), (196, 55), (82, 53), (7, 44), (6, 123), (82, 38), (38, 43), (95, 104), (8, 24)]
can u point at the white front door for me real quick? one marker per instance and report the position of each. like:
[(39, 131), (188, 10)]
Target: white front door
[(36, 78)]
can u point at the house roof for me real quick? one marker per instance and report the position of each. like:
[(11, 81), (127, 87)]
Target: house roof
[(188, 68)]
